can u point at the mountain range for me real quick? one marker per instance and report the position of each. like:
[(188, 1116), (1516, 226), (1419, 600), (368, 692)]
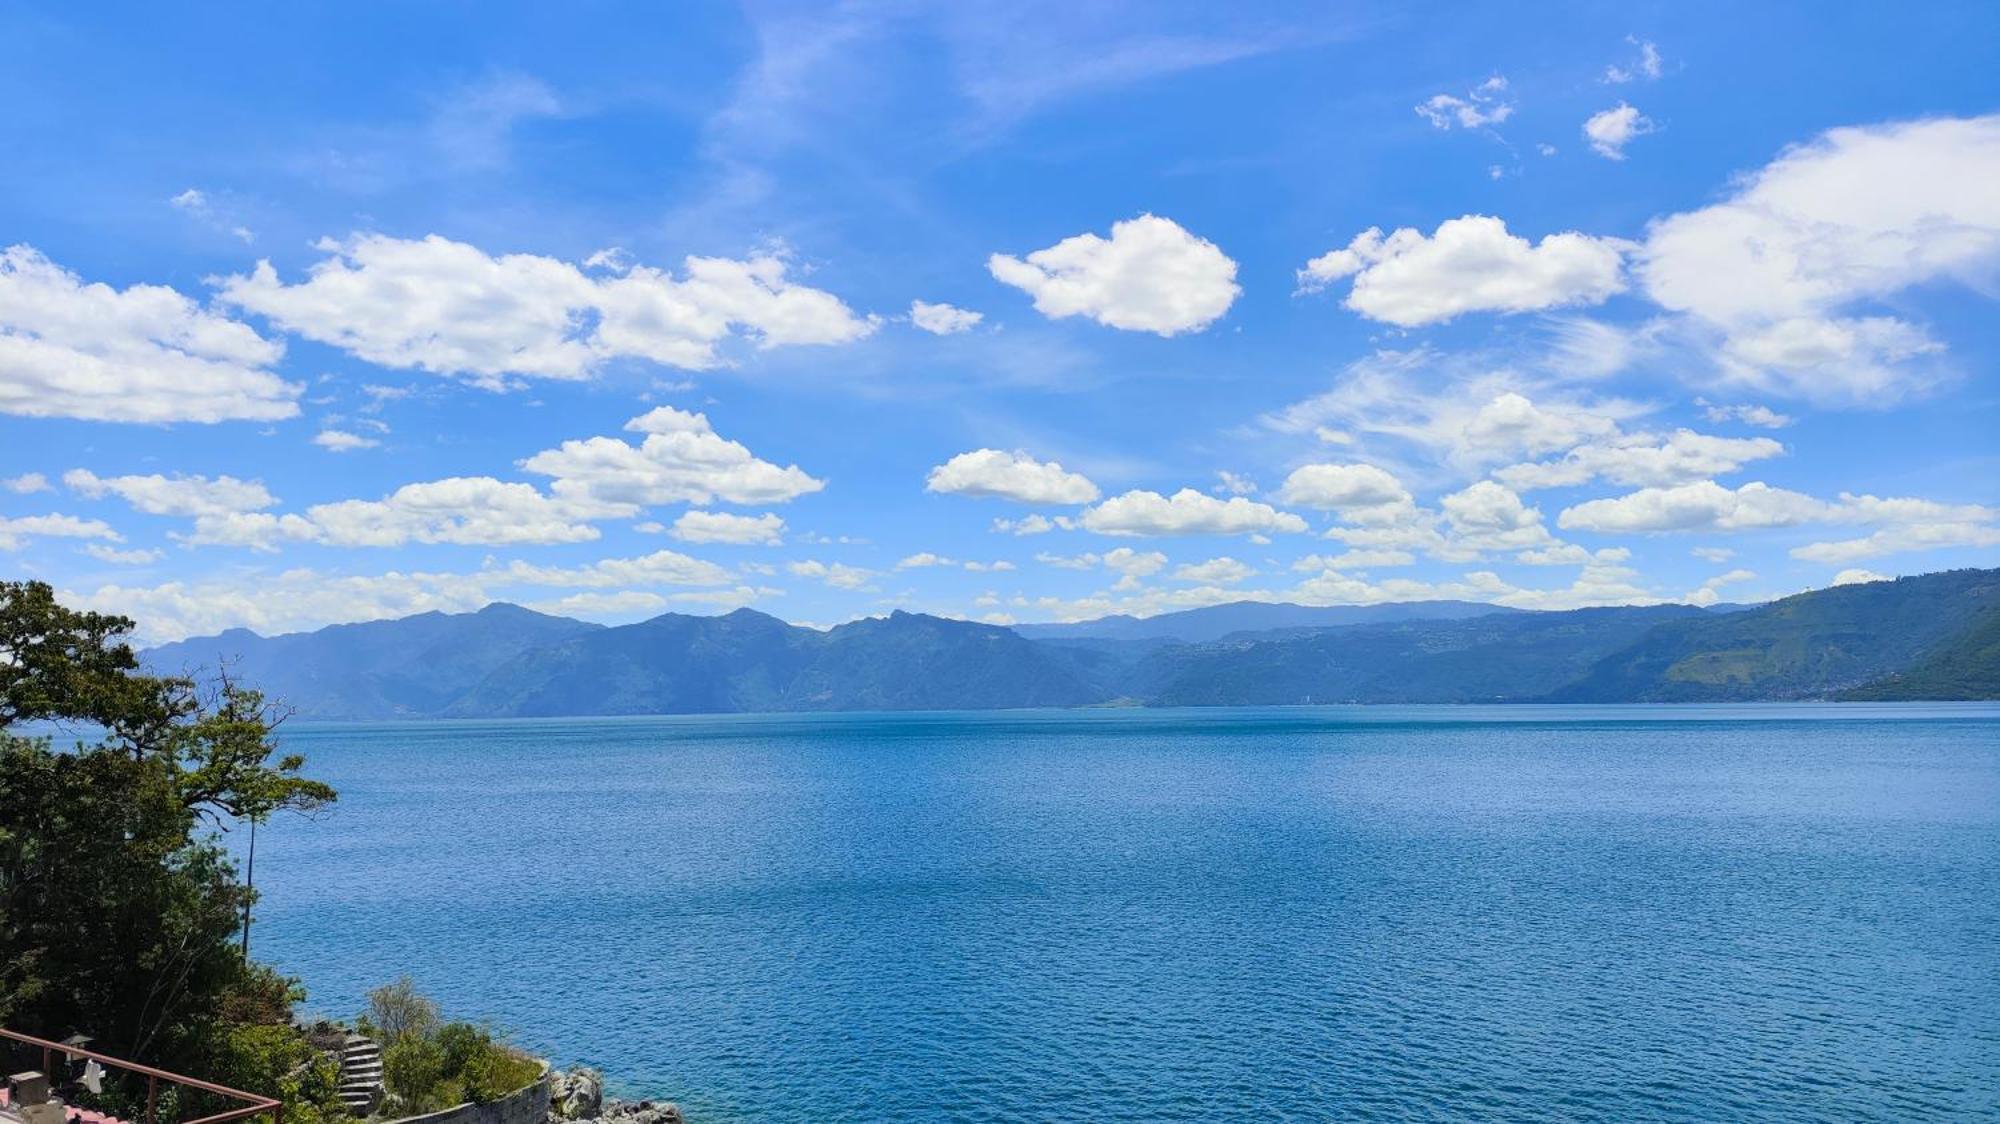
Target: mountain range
[(1931, 637)]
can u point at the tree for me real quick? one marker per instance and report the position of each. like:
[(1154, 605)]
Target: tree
[(397, 1010), (118, 906)]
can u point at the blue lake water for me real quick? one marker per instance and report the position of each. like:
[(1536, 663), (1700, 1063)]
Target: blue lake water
[(1526, 913)]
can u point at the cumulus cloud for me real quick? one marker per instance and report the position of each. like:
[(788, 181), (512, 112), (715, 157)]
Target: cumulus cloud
[(1700, 506), (1707, 506), (1709, 592), (459, 509), (76, 349), (341, 441), (1149, 276), (26, 484), (943, 319), (274, 602), (1186, 512), (924, 560), (1215, 571), (681, 460), (722, 527), (1131, 566), (1643, 459), (15, 532), (1469, 264), (662, 567), (1483, 105), (1775, 270), (1360, 493), (173, 495), (1013, 476), (838, 575), (254, 530), (451, 308), (1859, 577), (1902, 539), (117, 557), (1033, 524), (1477, 418), (1610, 130)]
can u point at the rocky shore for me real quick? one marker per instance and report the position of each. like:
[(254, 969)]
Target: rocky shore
[(577, 1096)]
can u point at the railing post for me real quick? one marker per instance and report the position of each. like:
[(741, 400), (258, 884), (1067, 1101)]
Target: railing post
[(152, 1099)]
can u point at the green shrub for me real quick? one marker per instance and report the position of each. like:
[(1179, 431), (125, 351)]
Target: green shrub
[(428, 1065)]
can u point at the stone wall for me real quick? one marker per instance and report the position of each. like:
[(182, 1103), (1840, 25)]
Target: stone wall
[(526, 1105)]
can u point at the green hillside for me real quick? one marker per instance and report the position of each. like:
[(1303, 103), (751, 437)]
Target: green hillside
[(1967, 667), (1813, 645)]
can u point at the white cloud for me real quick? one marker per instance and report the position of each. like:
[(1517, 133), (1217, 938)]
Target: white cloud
[(1859, 577), (1130, 565), (1229, 483), (196, 203), (1857, 214), (256, 530), (1481, 106), (662, 567), (1647, 64), (722, 527), (1149, 276), (1215, 571), (1486, 516), (16, 532), (1360, 493), (1000, 566), (451, 308), (1570, 554), (296, 599), (1709, 592), (1701, 506), (118, 557), (460, 509), (174, 495), (1713, 553), (943, 319), (1902, 539), (1610, 130), (1186, 512), (1479, 417), (1763, 417), (1014, 476), (277, 603), (26, 484), (1469, 264), (1354, 560), (341, 441), (1033, 524), (924, 559), (1705, 505), (839, 575), (1644, 459), (71, 349), (681, 460)]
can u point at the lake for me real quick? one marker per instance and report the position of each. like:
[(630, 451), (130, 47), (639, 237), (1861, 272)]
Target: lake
[(1518, 913)]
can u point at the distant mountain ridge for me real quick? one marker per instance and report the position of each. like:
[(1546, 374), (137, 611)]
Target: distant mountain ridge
[(1213, 622), (1935, 636)]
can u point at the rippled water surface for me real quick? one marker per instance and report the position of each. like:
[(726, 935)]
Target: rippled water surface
[(1382, 913)]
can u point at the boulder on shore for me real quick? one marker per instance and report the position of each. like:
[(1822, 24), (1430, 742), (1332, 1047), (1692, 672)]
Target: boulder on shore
[(578, 1097)]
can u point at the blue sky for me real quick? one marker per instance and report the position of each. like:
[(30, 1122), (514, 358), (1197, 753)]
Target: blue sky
[(1026, 313)]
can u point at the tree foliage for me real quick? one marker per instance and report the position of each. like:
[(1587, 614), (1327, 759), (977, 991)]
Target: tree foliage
[(118, 906)]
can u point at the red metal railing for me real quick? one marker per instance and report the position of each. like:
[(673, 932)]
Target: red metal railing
[(254, 1105)]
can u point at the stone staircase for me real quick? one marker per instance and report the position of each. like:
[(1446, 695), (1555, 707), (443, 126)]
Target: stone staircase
[(360, 1075)]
